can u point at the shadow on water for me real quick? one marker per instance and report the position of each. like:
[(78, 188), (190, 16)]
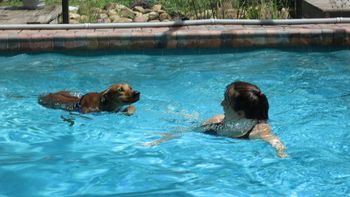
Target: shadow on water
[(191, 51)]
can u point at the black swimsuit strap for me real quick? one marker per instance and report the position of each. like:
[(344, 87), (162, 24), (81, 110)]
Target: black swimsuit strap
[(246, 135)]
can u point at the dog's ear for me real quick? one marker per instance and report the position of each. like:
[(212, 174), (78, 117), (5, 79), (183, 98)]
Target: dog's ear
[(108, 93), (104, 95)]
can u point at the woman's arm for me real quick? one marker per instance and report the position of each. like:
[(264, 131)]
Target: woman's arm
[(165, 137), (213, 120), (263, 131), (169, 136)]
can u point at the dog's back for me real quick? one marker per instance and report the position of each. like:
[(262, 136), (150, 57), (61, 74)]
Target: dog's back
[(59, 100), (110, 100)]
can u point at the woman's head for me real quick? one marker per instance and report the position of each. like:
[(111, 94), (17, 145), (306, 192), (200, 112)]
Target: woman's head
[(247, 99)]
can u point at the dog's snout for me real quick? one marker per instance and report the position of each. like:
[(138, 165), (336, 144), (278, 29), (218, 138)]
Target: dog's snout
[(136, 93)]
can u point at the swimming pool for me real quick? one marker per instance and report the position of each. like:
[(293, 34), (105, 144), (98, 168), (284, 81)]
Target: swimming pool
[(102, 154)]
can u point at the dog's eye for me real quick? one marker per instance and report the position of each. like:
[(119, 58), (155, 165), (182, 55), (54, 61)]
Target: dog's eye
[(120, 89)]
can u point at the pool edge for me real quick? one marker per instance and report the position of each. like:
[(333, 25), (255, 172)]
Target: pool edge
[(176, 37)]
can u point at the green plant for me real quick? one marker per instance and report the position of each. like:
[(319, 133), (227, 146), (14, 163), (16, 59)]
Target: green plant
[(192, 9), (265, 9), (257, 9), (11, 3)]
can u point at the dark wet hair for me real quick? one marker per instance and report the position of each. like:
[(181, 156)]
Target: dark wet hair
[(248, 98)]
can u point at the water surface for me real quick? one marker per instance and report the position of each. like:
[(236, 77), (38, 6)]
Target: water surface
[(102, 154)]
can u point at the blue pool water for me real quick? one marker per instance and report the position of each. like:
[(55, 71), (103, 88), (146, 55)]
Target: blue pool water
[(103, 154)]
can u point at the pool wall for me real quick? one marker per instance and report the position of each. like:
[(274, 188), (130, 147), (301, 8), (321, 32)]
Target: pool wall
[(185, 36)]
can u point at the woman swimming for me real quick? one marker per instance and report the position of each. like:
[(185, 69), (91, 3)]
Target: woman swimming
[(245, 117)]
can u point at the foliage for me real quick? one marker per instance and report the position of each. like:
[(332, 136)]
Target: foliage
[(11, 3), (251, 9), (194, 9)]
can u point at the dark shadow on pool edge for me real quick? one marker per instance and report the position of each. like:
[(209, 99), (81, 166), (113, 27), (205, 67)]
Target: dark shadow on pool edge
[(193, 51)]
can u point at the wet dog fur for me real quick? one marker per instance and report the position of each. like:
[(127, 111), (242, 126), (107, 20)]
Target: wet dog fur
[(114, 99)]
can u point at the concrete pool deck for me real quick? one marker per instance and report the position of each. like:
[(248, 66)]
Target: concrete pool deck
[(193, 36)]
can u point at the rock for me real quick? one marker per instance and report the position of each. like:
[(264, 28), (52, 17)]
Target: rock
[(138, 14), (103, 20), (156, 7), (114, 18), (147, 11), (284, 13), (111, 13), (123, 20), (74, 16), (153, 15), (119, 7), (84, 19), (161, 11), (102, 16), (73, 8), (153, 21), (164, 16), (73, 21), (126, 12), (141, 18), (139, 9)]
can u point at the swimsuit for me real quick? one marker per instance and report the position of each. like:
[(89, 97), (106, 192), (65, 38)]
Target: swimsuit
[(212, 131)]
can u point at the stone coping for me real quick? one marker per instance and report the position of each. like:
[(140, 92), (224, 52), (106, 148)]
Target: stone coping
[(199, 36)]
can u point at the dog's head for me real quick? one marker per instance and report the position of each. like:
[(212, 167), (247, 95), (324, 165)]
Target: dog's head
[(119, 94)]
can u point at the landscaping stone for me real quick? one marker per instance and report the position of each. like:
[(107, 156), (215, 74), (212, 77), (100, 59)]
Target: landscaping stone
[(119, 7), (127, 13), (153, 15), (118, 13), (102, 16), (84, 18), (157, 7), (74, 16), (73, 21), (111, 13), (114, 18), (139, 9), (161, 11), (104, 20), (123, 20), (148, 10), (141, 18), (164, 16)]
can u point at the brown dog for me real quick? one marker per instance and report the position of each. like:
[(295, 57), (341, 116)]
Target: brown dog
[(110, 100)]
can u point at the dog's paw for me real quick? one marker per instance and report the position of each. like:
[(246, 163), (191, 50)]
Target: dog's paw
[(282, 154), (150, 144), (130, 110)]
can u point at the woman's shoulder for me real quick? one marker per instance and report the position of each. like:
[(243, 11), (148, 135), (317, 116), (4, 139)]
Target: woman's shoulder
[(260, 129)]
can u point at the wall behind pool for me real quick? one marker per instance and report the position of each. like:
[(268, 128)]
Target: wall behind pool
[(248, 33)]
